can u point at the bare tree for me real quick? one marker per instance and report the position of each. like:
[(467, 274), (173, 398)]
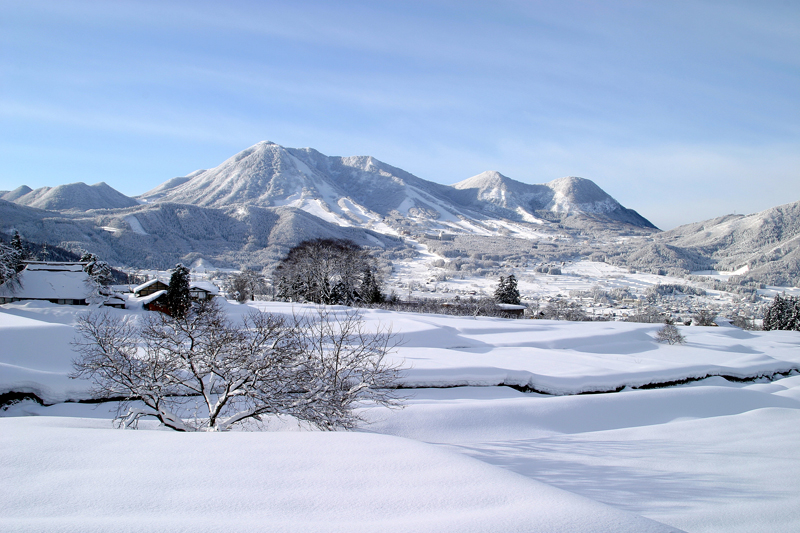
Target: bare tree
[(315, 368), (563, 310), (670, 334), (327, 271), (349, 366), (704, 318), (246, 285)]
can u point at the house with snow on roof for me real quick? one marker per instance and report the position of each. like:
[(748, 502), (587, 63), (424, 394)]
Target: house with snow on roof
[(202, 290), (152, 295), (63, 283), (150, 287)]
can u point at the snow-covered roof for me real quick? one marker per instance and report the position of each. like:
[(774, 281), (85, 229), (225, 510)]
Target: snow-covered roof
[(147, 284), (55, 266), (114, 300), (512, 307), (38, 284), (204, 286), (155, 296)]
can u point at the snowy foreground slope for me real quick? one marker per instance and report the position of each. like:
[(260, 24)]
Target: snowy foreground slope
[(710, 455)]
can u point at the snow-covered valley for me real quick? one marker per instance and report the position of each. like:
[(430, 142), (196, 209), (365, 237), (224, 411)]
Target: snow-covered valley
[(465, 454)]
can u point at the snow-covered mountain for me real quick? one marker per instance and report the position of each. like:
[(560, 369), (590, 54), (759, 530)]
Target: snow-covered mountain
[(765, 245), (163, 234), (363, 191), (73, 196), (251, 208), (563, 196), (19, 192)]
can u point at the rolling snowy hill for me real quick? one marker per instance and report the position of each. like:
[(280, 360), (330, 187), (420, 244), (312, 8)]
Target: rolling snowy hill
[(71, 197), (763, 245), (714, 455), (163, 234)]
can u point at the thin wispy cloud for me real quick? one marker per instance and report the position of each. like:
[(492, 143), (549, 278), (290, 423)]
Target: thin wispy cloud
[(534, 90)]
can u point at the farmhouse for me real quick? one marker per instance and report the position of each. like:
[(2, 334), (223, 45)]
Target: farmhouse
[(153, 294), (55, 282), (148, 288), (513, 311), (202, 290)]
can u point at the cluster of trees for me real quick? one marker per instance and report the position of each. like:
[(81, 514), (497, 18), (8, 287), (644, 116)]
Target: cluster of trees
[(314, 367), (563, 310), (246, 285), (100, 271), (11, 258), (671, 289), (328, 271), (599, 295), (457, 306), (506, 291), (783, 313)]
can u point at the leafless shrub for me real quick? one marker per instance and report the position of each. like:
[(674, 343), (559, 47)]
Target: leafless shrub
[(313, 367), (670, 334), (704, 318)]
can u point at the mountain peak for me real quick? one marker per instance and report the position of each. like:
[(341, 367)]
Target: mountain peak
[(580, 191), (362, 190), (19, 192), (484, 180)]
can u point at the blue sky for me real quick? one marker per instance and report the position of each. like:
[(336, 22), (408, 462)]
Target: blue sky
[(680, 110)]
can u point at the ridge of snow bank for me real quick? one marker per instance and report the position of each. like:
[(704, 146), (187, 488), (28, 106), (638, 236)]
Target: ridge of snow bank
[(362, 482)]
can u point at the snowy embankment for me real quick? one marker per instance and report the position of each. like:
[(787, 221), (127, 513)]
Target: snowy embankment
[(570, 358), (551, 357), (77, 475), (714, 455)]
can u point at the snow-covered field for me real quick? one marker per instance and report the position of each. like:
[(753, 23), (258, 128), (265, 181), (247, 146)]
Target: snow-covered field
[(576, 276), (465, 454)]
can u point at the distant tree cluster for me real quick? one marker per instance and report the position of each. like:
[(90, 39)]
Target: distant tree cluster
[(670, 289), (704, 317), (783, 313), (646, 315), (328, 271), (563, 310), (457, 306), (246, 285)]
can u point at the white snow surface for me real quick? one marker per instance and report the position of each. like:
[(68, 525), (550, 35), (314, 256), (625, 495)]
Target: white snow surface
[(708, 456), (38, 283), (135, 225), (96, 478)]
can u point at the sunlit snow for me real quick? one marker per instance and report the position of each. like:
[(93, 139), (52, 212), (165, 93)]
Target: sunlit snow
[(711, 455)]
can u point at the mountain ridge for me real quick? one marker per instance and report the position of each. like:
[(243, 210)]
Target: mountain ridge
[(72, 196), (256, 204), (269, 175)]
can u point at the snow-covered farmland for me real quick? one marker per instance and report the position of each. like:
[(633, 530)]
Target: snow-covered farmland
[(465, 454)]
